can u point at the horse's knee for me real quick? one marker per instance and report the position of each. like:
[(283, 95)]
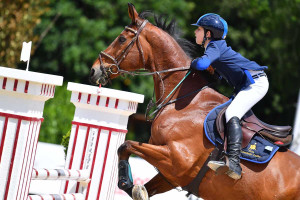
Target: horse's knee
[(122, 150)]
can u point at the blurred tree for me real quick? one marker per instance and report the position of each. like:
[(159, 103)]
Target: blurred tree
[(58, 115), (17, 22)]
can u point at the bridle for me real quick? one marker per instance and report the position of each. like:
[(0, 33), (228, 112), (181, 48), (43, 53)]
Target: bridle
[(117, 61)]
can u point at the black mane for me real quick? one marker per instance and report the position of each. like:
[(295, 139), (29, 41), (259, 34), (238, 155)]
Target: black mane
[(171, 28)]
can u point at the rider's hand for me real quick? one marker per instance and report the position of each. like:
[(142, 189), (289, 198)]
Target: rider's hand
[(194, 63)]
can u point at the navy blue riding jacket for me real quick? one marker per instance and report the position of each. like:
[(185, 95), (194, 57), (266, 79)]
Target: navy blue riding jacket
[(232, 66)]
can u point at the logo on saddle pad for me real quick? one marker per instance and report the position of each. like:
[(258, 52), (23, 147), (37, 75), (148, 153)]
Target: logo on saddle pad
[(251, 151), (252, 147)]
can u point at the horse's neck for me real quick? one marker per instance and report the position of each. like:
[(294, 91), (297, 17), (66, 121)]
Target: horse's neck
[(167, 54)]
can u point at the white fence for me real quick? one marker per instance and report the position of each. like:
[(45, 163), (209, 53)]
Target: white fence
[(98, 129)]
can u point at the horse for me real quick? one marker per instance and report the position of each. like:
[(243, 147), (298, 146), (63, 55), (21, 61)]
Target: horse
[(178, 147)]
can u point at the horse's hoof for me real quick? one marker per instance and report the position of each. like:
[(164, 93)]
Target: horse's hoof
[(85, 182), (139, 192)]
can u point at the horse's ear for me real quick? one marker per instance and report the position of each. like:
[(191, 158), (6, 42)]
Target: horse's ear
[(132, 13)]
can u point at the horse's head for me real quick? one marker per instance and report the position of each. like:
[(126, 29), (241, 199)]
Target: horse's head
[(126, 53)]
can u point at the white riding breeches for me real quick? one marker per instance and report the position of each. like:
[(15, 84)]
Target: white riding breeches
[(248, 97)]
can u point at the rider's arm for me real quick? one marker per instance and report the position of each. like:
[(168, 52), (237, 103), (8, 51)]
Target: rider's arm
[(211, 54)]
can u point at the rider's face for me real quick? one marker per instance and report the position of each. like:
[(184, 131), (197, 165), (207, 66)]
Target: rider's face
[(199, 33)]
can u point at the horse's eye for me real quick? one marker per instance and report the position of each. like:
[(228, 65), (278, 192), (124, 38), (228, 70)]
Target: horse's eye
[(122, 39)]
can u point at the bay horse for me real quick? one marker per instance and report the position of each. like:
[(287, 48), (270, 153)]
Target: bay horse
[(178, 146)]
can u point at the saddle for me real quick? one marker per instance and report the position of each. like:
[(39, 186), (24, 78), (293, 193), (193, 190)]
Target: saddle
[(251, 125)]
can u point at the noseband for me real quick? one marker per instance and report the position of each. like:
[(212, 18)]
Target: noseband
[(117, 61)]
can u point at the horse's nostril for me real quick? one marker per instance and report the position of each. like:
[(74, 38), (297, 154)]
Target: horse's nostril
[(92, 72)]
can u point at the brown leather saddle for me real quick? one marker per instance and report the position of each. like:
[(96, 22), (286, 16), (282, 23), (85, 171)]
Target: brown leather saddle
[(251, 125)]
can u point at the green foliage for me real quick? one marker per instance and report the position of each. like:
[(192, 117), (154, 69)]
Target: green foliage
[(17, 21), (65, 141), (58, 115)]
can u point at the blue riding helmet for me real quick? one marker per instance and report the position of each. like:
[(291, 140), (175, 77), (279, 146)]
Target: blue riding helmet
[(215, 23)]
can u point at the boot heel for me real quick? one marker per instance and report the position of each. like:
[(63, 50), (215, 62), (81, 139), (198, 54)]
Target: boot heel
[(234, 175)]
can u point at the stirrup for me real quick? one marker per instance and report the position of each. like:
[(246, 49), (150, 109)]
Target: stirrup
[(215, 165), (220, 167)]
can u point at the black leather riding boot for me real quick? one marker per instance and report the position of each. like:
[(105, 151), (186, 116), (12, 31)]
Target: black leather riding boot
[(234, 143)]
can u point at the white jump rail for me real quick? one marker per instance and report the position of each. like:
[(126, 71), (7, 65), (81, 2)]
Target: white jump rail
[(60, 174), (98, 129), (22, 98), (78, 196)]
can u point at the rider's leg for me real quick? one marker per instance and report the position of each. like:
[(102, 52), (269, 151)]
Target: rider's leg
[(234, 143), (243, 102), (247, 98)]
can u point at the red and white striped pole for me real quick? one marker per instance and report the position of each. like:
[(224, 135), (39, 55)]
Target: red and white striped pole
[(98, 129), (57, 197), (22, 98), (60, 174)]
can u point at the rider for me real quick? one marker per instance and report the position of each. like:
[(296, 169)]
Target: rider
[(248, 79)]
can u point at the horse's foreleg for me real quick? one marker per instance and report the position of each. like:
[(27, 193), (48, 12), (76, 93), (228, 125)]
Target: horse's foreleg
[(151, 153), (155, 155)]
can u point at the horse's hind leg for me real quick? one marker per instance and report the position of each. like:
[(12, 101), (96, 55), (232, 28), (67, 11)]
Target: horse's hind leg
[(155, 155), (157, 185)]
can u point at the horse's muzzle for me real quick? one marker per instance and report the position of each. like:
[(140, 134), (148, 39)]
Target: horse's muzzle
[(97, 76)]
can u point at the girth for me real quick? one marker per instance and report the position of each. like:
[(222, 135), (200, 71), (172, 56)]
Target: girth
[(193, 187)]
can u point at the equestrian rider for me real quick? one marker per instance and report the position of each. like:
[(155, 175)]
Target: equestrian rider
[(248, 79)]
